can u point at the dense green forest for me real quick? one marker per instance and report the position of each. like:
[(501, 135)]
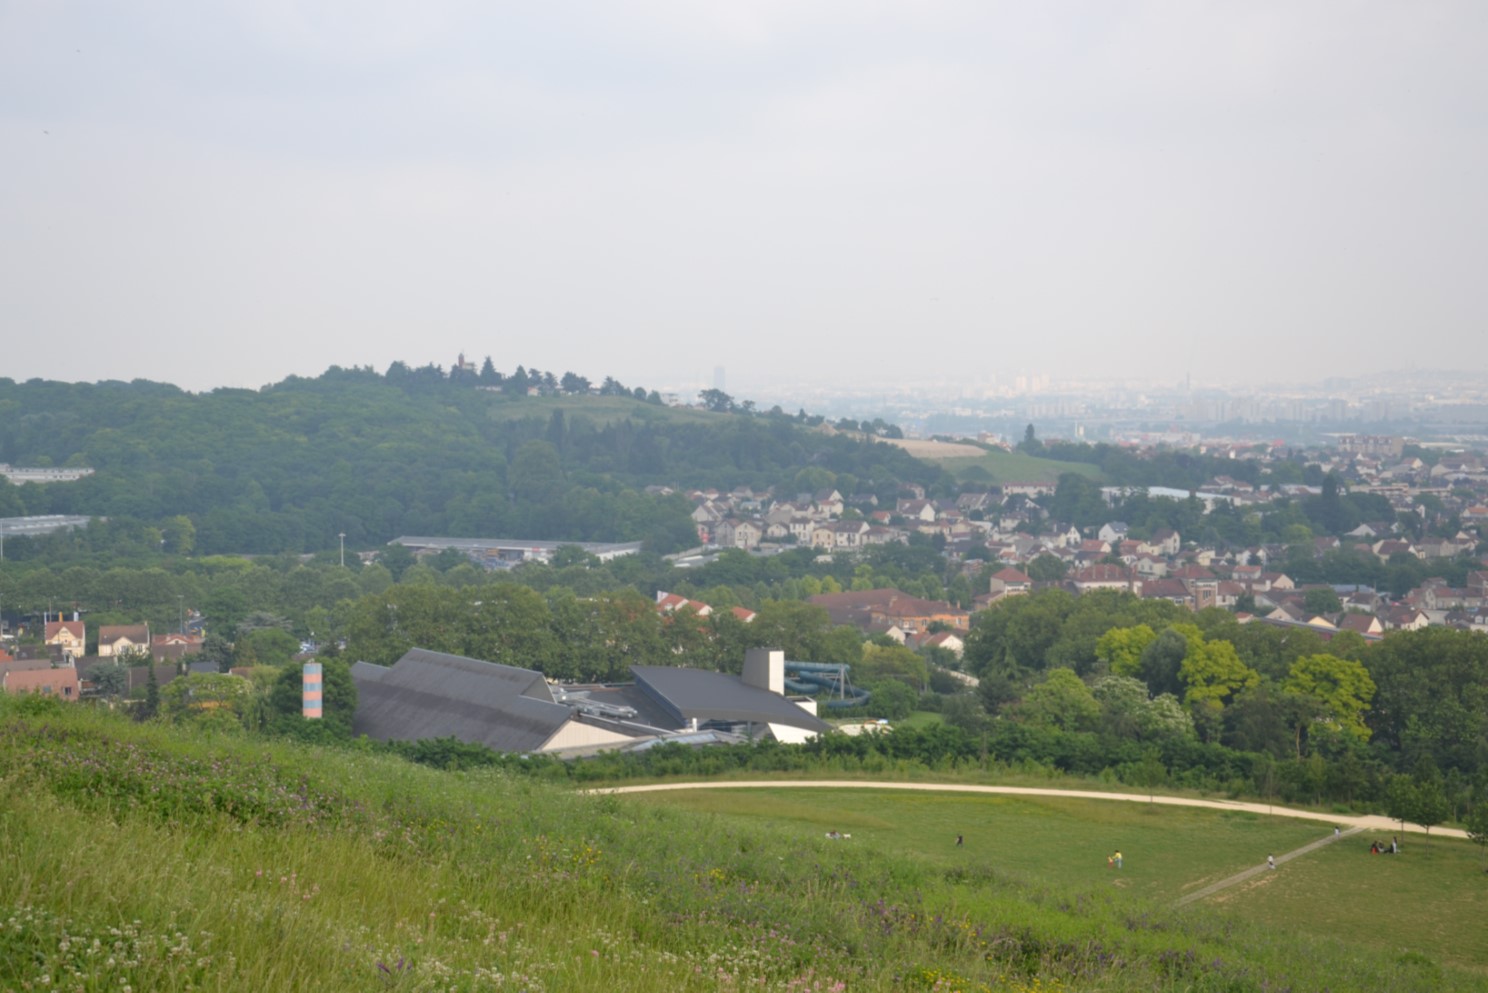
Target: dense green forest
[(289, 467)]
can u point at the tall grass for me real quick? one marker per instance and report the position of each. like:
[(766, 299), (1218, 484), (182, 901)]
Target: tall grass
[(136, 859)]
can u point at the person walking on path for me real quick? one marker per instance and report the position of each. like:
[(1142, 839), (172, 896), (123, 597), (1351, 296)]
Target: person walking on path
[(1270, 861)]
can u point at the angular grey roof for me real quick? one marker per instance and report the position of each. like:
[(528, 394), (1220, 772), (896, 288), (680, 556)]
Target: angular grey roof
[(433, 695), (698, 694)]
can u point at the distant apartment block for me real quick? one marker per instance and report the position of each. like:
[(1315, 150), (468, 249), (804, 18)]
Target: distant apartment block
[(30, 527), (24, 474)]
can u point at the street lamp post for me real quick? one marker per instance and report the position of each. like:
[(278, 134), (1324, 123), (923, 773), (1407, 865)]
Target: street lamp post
[(342, 536), (181, 602)]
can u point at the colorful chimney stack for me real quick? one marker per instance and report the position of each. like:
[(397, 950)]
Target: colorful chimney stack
[(311, 697)]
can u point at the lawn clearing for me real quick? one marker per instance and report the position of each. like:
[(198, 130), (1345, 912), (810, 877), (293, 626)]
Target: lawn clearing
[(1434, 898), (1016, 467), (1433, 895)]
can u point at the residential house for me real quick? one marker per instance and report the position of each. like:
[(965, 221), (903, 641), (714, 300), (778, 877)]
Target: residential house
[(776, 531), (1166, 541), (1392, 546), (829, 501), (731, 532), (60, 682), (1364, 624), (1105, 576), (1008, 582), (70, 636), (1172, 590), (1150, 567), (1402, 617), (117, 640), (171, 647), (875, 610), (848, 534), (948, 640), (916, 510), (670, 603)]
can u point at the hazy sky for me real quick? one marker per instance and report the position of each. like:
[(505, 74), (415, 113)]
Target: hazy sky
[(229, 193)]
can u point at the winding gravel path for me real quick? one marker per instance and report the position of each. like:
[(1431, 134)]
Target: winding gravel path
[(1367, 822)]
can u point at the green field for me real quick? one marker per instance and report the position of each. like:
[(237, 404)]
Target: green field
[(1433, 898), (1016, 467), (144, 857)]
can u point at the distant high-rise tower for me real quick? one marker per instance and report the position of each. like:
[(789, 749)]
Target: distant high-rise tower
[(718, 378)]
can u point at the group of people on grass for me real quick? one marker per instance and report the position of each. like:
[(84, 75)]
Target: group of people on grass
[(1380, 848)]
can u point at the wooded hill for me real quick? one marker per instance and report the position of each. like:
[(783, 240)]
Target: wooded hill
[(288, 467)]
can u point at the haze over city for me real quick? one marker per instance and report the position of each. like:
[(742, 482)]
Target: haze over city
[(819, 193)]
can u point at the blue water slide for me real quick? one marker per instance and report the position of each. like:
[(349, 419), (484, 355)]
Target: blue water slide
[(815, 678)]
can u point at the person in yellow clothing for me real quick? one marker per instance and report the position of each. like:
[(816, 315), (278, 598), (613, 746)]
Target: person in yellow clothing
[(1116, 859)]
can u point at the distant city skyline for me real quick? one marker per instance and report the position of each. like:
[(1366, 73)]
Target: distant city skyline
[(816, 191)]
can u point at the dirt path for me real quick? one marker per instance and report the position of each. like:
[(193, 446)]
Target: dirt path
[(1367, 822), (1241, 877)]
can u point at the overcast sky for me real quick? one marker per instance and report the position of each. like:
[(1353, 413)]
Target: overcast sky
[(229, 193)]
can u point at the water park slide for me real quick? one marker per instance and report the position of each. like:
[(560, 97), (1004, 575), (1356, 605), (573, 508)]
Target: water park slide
[(813, 678)]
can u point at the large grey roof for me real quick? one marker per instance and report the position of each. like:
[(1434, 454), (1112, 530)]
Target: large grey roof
[(702, 695), (433, 695)]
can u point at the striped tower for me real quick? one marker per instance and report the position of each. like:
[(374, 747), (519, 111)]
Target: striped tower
[(312, 691)]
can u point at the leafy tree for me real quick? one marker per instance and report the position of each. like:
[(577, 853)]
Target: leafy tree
[(1031, 443), (1161, 662), (1431, 804), (1078, 501), (1128, 712), (110, 678), (1417, 799), (1322, 601), (1061, 701), (892, 699), (893, 662), (717, 400), (1047, 568), (210, 699), (1342, 689), (1432, 697), (179, 535), (965, 711), (268, 646), (537, 474), (152, 695), (396, 559), (1121, 648), (1477, 824)]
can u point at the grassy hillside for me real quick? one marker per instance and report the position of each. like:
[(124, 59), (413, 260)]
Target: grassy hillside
[(997, 466), (1435, 893), (139, 860)]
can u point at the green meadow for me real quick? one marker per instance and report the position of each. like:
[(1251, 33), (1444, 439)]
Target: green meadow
[(1000, 467), (140, 858), (1431, 899)]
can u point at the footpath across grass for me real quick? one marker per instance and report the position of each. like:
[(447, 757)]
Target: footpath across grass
[(1429, 901), (138, 858)]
